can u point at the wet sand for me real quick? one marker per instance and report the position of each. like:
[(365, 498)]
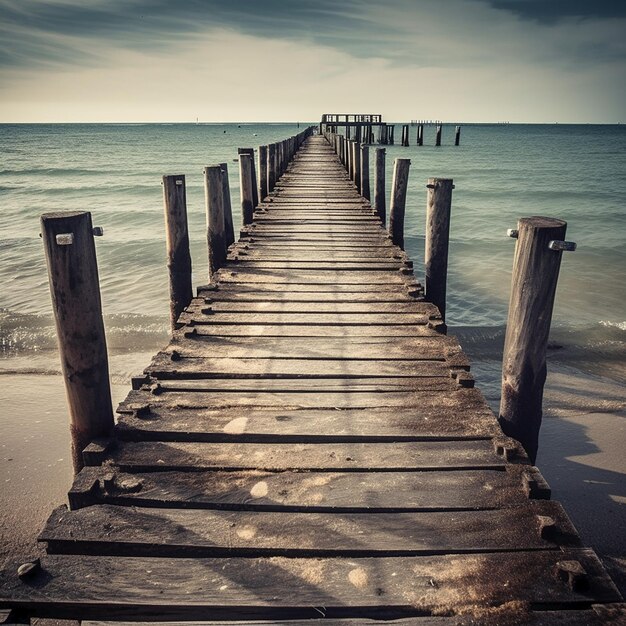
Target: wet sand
[(581, 455)]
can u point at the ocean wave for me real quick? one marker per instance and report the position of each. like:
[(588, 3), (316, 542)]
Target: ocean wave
[(609, 324), (35, 333)]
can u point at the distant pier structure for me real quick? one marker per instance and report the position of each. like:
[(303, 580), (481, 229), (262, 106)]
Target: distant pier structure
[(368, 128), (361, 127)]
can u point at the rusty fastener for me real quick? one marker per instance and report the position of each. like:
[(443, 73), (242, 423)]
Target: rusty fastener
[(564, 246), (175, 355), (65, 239), (513, 233), (98, 231)]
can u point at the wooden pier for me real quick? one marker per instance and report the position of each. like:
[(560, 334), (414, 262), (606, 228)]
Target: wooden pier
[(310, 446)]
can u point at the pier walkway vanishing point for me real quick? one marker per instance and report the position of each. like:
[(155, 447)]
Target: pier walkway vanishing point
[(310, 446)]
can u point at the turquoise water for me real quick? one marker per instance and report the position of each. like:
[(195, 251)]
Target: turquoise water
[(501, 173)]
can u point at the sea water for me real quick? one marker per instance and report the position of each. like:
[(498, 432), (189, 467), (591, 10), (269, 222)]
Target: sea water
[(500, 172)]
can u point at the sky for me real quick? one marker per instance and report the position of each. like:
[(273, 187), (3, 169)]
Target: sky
[(288, 60)]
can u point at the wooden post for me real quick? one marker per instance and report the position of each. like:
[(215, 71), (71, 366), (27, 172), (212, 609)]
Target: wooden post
[(246, 185), (391, 128), (356, 155), (177, 245), (420, 135), (262, 172), (398, 200), (229, 230), (271, 167), (405, 135), (365, 171), (350, 164), (213, 195), (379, 185), (255, 189), (438, 136), (533, 286), (457, 136), (438, 204), (74, 286)]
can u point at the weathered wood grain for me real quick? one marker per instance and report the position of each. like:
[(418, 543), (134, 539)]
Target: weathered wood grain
[(255, 490), (134, 531), (350, 457), (107, 587)]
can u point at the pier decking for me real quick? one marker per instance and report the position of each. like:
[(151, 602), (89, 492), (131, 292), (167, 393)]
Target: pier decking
[(310, 446)]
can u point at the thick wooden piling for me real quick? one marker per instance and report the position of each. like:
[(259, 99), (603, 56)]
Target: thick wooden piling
[(229, 229), (74, 286), (457, 136), (255, 188), (177, 245), (391, 129), (420, 135), (262, 172), (438, 204), (533, 287), (271, 167), (398, 200), (246, 186), (216, 240), (438, 135), (405, 135), (379, 185), (365, 171)]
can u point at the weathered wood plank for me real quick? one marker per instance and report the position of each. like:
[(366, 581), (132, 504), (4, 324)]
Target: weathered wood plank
[(393, 310), (371, 386), (349, 457), (269, 395), (309, 491), (445, 416), (132, 531), (164, 367), (208, 316), (373, 348), (117, 587), (306, 330), (312, 276), (342, 265)]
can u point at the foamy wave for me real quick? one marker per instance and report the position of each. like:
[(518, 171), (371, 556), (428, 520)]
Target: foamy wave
[(608, 324)]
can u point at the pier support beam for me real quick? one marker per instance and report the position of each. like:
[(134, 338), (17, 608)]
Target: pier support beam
[(271, 167), (213, 194), (438, 135), (457, 136), (229, 229), (177, 244), (365, 171), (246, 186), (255, 189), (75, 289), (398, 200), (262, 173), (379, 185), (533, 286), (438, 204)]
